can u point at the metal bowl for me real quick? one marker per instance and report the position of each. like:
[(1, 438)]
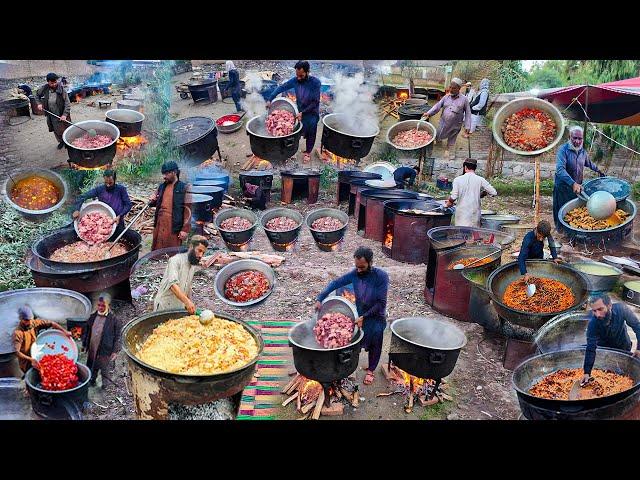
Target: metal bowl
[(339, 305), (384, 169), (240, 266), (381, 184), (599, 283), (495, 222), (327, 238), (55, 304), (283, 103), (410, 125), (95, 206), (529, 102), (35, 215), (504, 275)]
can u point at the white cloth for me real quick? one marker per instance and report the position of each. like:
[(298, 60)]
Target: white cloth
[(476, 121), (179, 271), (229, 65), (466, 191)]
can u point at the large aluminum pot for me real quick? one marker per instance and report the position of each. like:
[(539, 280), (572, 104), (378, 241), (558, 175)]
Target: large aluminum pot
[(129, 122), (35, 215), (601, 276), (348, 136), (327, 238), (529, 102), (91, 157)]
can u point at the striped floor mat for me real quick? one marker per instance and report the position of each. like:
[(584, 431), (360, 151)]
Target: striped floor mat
[(261, 399)]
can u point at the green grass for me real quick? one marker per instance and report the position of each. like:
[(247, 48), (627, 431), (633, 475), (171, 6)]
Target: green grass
[(328, 176), (517, 187), (635, 191), (439, 411)]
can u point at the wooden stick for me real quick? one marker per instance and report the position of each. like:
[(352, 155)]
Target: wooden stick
[(319, 405), (346, 395), (288, 386), (307, 408), (289, 400)]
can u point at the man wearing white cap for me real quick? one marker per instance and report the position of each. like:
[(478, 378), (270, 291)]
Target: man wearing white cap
[(455, 112)]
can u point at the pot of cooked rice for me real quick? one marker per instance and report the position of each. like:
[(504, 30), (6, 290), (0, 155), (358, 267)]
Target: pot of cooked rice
[(174, 359)]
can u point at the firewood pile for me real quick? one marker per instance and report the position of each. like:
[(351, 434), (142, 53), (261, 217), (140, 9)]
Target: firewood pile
[(144, 224), (390, 106), (221, 259), (256, 163), (310, 399), (414, 389)]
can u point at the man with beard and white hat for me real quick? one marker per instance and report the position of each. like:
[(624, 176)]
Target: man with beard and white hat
[(570, 162), (175, 288), (455, 111)]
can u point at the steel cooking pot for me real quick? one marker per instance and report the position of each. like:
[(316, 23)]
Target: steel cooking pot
[(129, 122), (91, 157), (631, 292)]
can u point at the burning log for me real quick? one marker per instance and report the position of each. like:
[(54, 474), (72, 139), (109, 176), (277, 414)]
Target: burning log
[(319, 405), (313, 401), (334, 409), (414, 388), (290, 399)]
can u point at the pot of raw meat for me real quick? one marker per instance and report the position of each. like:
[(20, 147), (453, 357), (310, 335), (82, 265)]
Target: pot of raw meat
[(276, 140), (282, 225), (327, 349), (236, 225), (405, 136), (91, 152), (327, 225)]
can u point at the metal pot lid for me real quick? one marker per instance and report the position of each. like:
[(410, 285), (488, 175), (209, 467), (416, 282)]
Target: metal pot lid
[(193, 198), (563, 332), (191, 129), (385, 169), (53, 342), (429, 333), (55, 304), (633, 285), (502, 218), (389, 183), (617, 187)]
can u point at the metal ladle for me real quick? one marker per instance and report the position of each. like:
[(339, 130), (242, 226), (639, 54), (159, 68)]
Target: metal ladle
[(107, 254), (460, 266), (531, 289), (91, 131)]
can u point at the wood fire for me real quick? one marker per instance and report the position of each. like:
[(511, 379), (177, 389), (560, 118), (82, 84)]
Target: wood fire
[(414, 388), (335, 160), (312, 401), (128, 144), (388, 240)]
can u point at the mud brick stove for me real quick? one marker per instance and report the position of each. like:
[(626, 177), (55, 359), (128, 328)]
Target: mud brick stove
[(405, 228), (299, 184)]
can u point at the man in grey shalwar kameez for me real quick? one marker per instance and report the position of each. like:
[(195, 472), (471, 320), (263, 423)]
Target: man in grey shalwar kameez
[(53, 97), (455, 112)]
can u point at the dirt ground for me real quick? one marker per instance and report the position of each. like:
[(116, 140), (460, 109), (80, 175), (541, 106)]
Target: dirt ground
[(480, 386)]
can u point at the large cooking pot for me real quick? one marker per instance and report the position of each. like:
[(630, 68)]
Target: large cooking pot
[(154, 388), (392, 194), (215, 192), (410, 125), (213, 176), (609, 236), (129, 105), (35, 215), (238, 266), (63, 404), (264, 145), (327, 238), (347, 175), (325, 365), (500, 278), (480, 301), (204, 90), (495, 222), (532, 370), (91, 157), (348, 136), (129, 122), (236, 238), (43, 248), (515, 106), (413, 111), (601, 277), (196, 138), (55, 304), (282, 238), (201, 206), (425, 347), (631, 292)]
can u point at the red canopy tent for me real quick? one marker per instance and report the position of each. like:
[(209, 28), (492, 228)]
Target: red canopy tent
[(615, 103)]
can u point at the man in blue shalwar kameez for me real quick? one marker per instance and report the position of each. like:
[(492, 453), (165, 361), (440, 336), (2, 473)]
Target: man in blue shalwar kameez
[(570, 162), (307, 90), (370, 286)]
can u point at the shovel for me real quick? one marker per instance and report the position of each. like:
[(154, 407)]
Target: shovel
[(91, 131), (579, 393)]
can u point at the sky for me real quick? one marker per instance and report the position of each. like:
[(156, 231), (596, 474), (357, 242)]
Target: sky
[(528, 64)]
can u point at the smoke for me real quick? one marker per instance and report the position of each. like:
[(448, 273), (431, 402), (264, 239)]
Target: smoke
[(254, 104), (355, 98)]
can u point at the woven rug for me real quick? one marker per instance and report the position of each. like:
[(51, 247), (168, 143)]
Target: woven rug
[(261, 399)]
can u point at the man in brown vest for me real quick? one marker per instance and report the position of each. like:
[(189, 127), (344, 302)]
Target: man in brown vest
[(53, 97)]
